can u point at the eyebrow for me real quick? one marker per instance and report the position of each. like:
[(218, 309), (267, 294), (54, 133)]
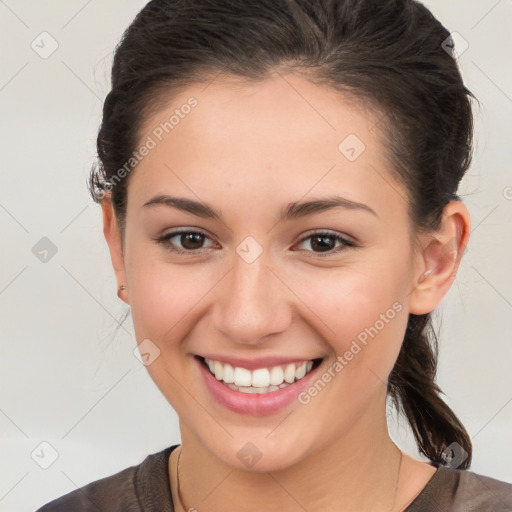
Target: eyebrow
[(291, 211)]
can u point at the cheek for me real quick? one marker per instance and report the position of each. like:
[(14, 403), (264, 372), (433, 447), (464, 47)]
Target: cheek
[(163, 296), (361, 314), (166, 304), (363, 319)]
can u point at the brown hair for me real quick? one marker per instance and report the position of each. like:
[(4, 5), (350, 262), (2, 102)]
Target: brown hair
[(389, 54)]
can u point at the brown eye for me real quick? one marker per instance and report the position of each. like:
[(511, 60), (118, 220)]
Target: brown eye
[(184, 242), (191, 241), (325, 242)]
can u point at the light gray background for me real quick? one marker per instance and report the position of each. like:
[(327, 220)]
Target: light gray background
[(69, 379)]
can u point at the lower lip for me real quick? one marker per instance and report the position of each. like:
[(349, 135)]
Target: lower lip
[(254, 404)]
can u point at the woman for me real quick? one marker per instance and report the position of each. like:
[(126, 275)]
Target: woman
[(278, 184)]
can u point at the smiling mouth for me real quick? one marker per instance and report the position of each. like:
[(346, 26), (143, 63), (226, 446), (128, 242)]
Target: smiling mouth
[(260, 380)]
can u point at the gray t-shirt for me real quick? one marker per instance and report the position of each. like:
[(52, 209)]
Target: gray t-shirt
[(145, 488)]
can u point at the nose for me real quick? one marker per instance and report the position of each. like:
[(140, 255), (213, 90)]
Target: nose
[(252, 303)]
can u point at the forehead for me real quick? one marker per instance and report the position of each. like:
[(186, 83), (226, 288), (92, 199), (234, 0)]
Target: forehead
[(288, 105), (284, 134)]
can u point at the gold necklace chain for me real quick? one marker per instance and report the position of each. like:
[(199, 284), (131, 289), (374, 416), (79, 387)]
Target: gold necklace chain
[(180, 500)]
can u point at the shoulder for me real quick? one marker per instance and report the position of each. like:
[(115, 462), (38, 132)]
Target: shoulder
[(455, 490), (127, 491), (479, 492)]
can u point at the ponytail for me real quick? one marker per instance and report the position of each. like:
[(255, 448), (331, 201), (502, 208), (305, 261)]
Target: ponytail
[(412, 387)]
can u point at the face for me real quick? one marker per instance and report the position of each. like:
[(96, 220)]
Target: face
[(249, 277)]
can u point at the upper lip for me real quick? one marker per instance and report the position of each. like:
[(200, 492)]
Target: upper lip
[(255, 363)]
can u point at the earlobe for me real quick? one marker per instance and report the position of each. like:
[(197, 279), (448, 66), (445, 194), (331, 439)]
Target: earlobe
[(441, 255), (112, 235)]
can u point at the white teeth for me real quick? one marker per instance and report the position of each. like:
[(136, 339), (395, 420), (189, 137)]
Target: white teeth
[(229, 374), (258, 391), (289, 373), (276, 376), (217, 369), (242, 376), (248, 390), (301, 371), (261, 380)]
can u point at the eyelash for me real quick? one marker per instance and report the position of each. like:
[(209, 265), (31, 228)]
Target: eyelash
[(164, 240)]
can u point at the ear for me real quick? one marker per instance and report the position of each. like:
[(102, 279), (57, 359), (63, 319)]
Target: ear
[(113, 238), (439, 259)]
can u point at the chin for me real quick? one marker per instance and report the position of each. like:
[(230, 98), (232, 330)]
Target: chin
[(260, 453)]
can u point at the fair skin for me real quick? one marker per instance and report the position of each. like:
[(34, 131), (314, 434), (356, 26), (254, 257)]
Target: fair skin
[(248, 150)]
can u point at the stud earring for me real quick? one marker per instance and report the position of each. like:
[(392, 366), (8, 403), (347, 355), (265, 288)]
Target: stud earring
[(121, 288)]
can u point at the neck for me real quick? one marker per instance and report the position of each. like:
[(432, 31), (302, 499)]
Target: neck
[(358, 472)]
